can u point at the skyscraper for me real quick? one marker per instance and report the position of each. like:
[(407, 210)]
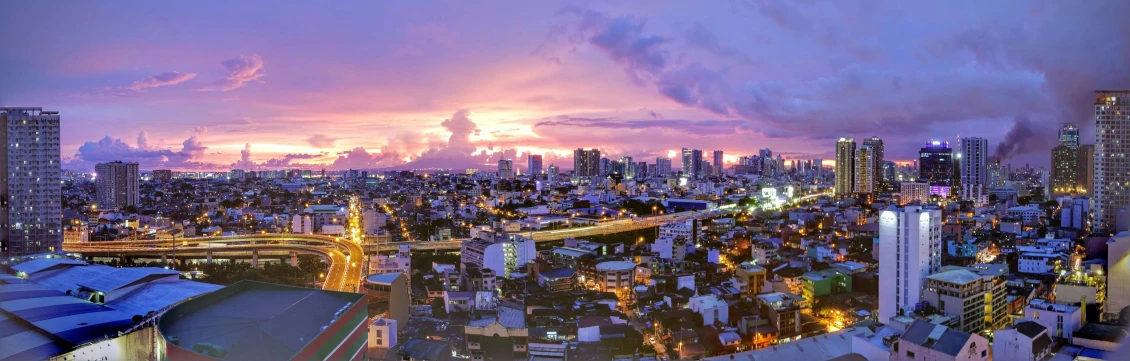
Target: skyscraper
[(910, 248), (506, 168), (688, 165), (629, 167), (31, 210), (663, 166), (1085, 161), (1069, 135), (1112, 145), (586, 163), (876, 146), (998, 175), (116, 184), (974, 175), (766, 158), (845, 167), (696, 162), (865, 169), (717, 162), (935, 163), (1065, 168), (533, 164)]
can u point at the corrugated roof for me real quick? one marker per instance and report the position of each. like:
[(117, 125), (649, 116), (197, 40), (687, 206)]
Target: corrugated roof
[(72, 319), (126, 277), (43, 264)]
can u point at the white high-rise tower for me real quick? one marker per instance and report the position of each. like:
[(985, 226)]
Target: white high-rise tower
[(974, 175), (910, 248)]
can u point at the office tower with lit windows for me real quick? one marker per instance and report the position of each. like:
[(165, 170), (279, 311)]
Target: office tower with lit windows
[(551, 172), (865, 169), (115, 184), (1085, 163), (877, 159), (1069, 135), (586, 163), (998, 174), (663, 166), (31, 202), (910, 250), (974, 175), (533, 164), (718, 170), (766, 158), (1064, 177), (845, 167), (935, 163), (642, 171), (1112, 145)]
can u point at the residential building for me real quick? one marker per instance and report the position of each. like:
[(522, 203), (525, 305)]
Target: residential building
[(1064, 170), (845, 167), (877, 160), (1060, 320), (116, 184), (1027, 340), (822, 283), (749, 278), (718, 167), (865, 169), (612, 276), (783, 312), (504, 255), (533, 164), (910, 237), (389, 295), (31, 213), (692, 162), (628, 166), (1085, 163), (506, 169), (663, 166), (914, 191), (382, 336), (712, 309), (586, 163), (1118, 268), (1112, 145), (974, 174), (958, 293), (162, 175), (927, 341)]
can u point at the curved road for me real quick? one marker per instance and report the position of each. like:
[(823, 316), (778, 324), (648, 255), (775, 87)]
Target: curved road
[(345, 257)]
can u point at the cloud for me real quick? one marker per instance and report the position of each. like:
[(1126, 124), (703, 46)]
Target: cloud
[(1020, 139), (241, 70), (321, 140), (160, 80), (694, 127), (200, 130), (702, 38), (359, 158), (143, 140)]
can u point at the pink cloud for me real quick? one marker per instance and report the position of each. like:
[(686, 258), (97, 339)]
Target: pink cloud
[(241, 70)]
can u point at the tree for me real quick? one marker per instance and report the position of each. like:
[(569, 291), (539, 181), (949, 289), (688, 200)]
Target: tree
[(438, 311)]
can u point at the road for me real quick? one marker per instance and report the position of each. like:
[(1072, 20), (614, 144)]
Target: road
[(345, 256)]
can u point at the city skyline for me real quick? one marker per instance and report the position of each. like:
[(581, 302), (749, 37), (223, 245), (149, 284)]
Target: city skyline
[(421, 86)]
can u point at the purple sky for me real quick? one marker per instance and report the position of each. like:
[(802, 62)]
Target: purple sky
[(451, 84)]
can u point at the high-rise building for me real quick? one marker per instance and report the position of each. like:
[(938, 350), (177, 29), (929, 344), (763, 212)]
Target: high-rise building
[(663, 166), (586, 163), (605, 167), (505, 168), (974, 174), (877, 160), (1069, 135), (688, 164), (116, 184), (1065, 169), (717, 162), (865, 169), (998, 174), (1112, 145), (533, 164), (935, 163), (31, 199), (551, 172), (910, 249), (767, 166), (1085, 162), (642, 171), (1118, 268), (845, 167), (628, 166), (696, 162)]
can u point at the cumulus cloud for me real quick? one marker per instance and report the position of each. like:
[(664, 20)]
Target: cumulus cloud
[(245, 162), (359, 158), (241, 70), (143, 140), (160, 80), (321, 140)]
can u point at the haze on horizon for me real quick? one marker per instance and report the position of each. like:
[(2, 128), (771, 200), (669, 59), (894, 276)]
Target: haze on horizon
[(367, 85)]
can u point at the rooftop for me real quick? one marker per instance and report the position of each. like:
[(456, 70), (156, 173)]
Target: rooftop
[(1042, 304), (955, 276), (615, 266), (383, 278), (1101, 332), (37, 322), (505, 316), (831, 346), (254, 320), (937, 337)]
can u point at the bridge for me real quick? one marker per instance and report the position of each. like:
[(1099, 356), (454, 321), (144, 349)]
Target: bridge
[(344, 256)]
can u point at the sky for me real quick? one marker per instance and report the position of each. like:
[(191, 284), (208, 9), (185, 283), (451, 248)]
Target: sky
[(403, 85)]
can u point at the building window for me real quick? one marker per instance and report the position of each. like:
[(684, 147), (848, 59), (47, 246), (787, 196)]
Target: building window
[(910, 354)]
